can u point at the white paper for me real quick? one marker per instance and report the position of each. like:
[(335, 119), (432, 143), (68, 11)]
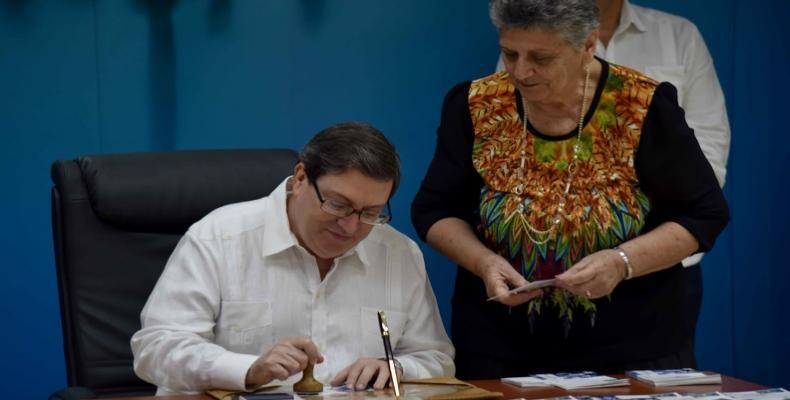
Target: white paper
[(526, 288), (675, 377)]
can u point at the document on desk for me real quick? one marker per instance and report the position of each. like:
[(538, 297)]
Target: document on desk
[(675, 377), (526, 288), (567, 380), (527, 381), (430, 388)]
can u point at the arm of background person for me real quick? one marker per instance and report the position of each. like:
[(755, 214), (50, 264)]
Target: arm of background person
[(703, 102)]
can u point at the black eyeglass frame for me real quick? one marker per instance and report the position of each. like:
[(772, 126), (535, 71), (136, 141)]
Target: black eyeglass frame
[(382, 219)]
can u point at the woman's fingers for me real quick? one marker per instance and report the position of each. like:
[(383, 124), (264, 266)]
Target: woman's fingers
[(594, 276)]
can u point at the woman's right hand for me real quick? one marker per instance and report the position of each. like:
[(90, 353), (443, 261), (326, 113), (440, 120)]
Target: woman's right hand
[(454, 238), (499, 277)]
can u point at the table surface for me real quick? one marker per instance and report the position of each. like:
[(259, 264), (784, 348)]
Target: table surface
[(728, 384)]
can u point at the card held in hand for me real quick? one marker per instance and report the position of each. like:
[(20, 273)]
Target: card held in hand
[(526, 288)]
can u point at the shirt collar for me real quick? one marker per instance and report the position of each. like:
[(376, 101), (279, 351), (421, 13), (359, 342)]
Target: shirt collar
[(361, 250), (629, 16), (277, 229), (277, 235)]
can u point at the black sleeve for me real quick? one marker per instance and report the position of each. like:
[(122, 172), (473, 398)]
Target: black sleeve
[(675, 174), (451, 187)]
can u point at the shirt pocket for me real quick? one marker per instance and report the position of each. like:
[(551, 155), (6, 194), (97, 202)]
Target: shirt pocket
[(372, 343), (245, 326), (674, 74)]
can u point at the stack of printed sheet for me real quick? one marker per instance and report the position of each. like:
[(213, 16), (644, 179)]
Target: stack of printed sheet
[(567, 380), (675, 377)]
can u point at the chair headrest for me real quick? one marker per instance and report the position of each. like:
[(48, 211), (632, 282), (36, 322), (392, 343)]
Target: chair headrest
[(168, 191)]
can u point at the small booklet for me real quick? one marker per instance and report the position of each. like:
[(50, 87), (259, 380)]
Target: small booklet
[(675, 377), (526, 288), (567, 380), (527, 381)]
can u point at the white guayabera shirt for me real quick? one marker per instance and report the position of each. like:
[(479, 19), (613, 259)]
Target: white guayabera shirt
[(238, 283), (669, 48)]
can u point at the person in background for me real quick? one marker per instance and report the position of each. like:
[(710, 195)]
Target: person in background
[(570, 168), (255, 291), (669, 48)]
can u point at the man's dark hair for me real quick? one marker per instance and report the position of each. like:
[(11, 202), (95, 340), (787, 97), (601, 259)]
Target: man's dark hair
[(351, 146)]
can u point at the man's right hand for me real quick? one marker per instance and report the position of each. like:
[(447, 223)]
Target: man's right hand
[(286, 358)]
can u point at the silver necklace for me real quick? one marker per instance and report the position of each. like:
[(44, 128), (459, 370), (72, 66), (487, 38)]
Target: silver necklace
[(548, 233)]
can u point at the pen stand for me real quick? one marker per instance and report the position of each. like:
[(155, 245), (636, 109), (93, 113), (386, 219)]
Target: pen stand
[(308, 384)]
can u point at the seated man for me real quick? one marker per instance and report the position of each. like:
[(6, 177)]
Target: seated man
[(257, 290)]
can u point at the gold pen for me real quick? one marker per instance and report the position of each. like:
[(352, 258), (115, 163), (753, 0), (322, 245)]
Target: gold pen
[(385, 336)]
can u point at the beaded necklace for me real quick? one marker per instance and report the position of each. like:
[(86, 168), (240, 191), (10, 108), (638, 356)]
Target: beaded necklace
[(531, 230)]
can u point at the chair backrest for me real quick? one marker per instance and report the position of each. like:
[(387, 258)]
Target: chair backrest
[(116, 218)]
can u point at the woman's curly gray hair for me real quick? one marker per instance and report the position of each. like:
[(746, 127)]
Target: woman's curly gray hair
[(572, 19)]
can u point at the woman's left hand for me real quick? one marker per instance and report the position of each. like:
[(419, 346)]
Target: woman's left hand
[(594, 276)]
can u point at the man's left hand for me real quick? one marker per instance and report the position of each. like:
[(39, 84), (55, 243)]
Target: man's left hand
[(359, 374)]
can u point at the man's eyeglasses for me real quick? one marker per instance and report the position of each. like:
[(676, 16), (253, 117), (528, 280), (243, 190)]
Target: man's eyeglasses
[(338, 209)]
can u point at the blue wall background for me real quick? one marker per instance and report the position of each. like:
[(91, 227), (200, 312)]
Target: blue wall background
[(85, 76)]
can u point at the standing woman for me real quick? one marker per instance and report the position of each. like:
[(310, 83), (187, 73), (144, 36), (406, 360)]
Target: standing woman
[(566, 166)]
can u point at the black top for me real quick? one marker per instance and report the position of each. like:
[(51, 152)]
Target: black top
[(642, 318)]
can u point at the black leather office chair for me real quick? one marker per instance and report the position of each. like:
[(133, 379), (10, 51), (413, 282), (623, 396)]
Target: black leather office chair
[(116, 218)]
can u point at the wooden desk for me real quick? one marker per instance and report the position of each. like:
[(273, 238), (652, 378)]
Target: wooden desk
[(512, 392)]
